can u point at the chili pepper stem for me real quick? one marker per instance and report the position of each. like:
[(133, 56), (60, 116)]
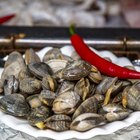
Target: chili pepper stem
[(72, 30)]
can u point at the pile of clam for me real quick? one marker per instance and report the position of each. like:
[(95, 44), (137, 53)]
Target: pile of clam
[(62, 92)]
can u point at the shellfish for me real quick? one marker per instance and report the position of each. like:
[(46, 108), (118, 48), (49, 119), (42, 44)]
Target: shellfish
[(76, 70), (87, 121), (15, 104), (66, 102), (58, 122)]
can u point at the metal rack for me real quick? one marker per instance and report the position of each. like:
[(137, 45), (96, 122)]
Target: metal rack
[(123, 42)]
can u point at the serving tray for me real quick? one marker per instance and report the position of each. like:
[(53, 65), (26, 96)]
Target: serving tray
[(23, 126)]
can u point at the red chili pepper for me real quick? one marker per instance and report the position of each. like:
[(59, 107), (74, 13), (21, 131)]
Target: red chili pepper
[(103, 65), (6, 18)]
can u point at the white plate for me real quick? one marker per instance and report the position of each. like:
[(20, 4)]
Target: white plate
[(22, 125)]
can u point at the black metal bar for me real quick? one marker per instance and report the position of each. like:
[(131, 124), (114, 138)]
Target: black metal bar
[(87, 33), (100, 38)]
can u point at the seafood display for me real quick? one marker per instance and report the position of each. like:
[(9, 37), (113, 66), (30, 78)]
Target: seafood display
[(64, 93)]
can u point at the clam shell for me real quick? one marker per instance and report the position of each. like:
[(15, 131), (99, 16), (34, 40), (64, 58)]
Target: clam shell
[(57, 64), (54, 53), (105, 84), (65, 86), (11, 85), (49, 83), (112, 107), (15, 104), (82, 87), (40, 69), (90, 105), (31, 56), (59, 76), (95, 76), (34, 101), (13, 65), (24, 73), (87, 121), (38, 116), (116, 116), (1, 87), (47, 97), (76, 70), (30, 86), (133, 97), (66, 102), (59, 122), (14, 57), (114, 111)]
